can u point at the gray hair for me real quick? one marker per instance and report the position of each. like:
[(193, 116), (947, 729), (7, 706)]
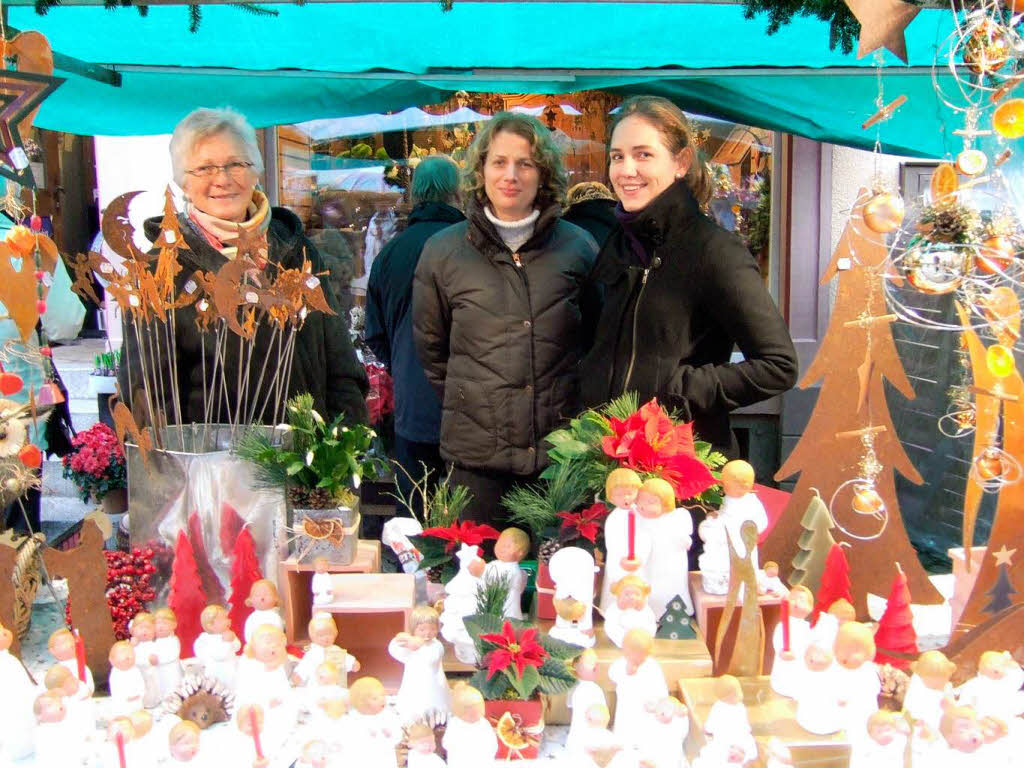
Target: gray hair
[(202, 123), (436, 180)]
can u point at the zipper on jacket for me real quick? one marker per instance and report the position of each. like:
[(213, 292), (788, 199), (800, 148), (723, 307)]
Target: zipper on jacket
[(517, 260), (632, 348)]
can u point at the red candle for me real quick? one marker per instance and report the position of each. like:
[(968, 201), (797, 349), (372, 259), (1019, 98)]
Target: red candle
[(785, 625), (80, 655), (119, 740), (254, 723), (631, 534)]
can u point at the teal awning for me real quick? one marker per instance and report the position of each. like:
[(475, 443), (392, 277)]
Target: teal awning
[(327, 60)]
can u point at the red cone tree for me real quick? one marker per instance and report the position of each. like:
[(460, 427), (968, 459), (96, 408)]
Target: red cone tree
[(230, 526), (245, 571), (835, 580), (896, 627), (211, 584), (187, 598)]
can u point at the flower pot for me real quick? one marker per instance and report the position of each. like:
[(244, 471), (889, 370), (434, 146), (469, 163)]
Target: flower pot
[(115, 502), (328, 533), (519, 726)]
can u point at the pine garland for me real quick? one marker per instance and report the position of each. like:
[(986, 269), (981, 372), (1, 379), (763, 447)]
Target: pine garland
[(195, 12), (844, 29)]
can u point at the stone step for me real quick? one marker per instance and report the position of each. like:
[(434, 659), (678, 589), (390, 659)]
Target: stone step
[(54, 482), (63, 508)]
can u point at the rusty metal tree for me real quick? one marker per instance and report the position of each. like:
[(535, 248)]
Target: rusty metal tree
[(857, 356)]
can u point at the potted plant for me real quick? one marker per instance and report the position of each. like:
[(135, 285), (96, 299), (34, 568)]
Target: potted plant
[(438, 546), (96, 465), (518, 665), (548, 509), (320, 466)]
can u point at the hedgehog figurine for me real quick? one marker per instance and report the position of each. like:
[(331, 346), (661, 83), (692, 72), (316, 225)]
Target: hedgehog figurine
[(203, 700)]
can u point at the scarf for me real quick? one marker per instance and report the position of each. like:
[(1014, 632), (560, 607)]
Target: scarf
[(626, 219), (220, 234)]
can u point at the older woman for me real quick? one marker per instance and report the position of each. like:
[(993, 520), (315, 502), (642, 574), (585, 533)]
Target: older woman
[(498, 311), (216, 161)]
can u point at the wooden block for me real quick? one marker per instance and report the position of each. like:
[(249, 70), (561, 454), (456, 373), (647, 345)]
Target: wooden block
[(770, 715), (709, 612)]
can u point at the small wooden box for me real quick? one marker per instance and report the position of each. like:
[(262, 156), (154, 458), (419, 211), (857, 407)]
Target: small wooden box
[(709, 610), (770, 715)]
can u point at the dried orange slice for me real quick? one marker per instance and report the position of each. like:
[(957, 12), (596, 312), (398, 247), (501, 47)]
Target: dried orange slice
[(317, 530), (944, 181), (1008, 119), (510, 733), (971, 162)]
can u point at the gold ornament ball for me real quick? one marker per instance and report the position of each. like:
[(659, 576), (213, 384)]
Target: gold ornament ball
[(987, 49), (866, 500), (999, 361), (971, 162), (989, 465), (13, 486), (937, 270), (884, 212)]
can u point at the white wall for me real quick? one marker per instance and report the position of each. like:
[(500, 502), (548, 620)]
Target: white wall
[(853, 169)]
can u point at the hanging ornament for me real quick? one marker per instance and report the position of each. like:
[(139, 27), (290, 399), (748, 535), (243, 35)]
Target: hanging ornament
[(972, 162), (867, 501), (999, 361), (988, 48), (936, 268), (994, 468), (996, 255), (882, 24), (884, 212), (944, 182), (1008, 119)]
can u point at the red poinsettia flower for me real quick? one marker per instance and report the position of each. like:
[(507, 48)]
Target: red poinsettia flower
[(465, 532), (650, 442), (522, 650), (587, 523)]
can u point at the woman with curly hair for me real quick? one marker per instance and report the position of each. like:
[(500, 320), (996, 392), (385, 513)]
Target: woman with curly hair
[(498, 312)]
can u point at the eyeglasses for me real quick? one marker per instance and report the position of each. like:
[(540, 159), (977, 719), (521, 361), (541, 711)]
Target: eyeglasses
[(234, 169)]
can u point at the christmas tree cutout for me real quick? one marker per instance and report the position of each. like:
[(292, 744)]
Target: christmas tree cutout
[(835, 581), (854, 362), (815, 543), (245, 571), (895, 632), (187, 597), (674, 623), (1002, 591)]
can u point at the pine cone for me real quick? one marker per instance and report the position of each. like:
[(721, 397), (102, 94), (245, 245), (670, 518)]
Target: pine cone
[(547, 550), (310, 498), (434, 574)]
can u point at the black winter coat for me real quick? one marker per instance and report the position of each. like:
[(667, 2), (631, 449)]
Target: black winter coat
[(500, 336), (597, 216), (389, 321), (667, 330), (325, 364)]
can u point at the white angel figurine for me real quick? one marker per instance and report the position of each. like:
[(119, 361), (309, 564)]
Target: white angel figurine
[(217, 646), (264, 681), (856, 676), (323, 632), (630, 610), (15, 702), (127, 686), (572, 569), (996, 690), (322, 584), (511, 547), (459, 602), (120, 736), (585, 694), (639, 686), (264, 601), (183, 744), (730, 740), (57, 744), (817, 704), (667, 729), (326, 701), (168, 651), (469, 739), (424, 688), (143, 639), (713, 562), (315, 754), (373, 732), (768, 581), (881, 743), (788, 667), (740, 504), (671, 531), (929, 686), (62, 647), (597, 746), (423, 747), (80, 706), (621, 490)]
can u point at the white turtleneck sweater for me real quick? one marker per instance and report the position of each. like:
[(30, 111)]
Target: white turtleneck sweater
[(514, 233)]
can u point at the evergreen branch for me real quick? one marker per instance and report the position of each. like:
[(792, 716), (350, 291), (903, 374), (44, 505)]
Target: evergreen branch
[(195, 18), (492, 593), (255, 10), (623, 406), (844, 29)]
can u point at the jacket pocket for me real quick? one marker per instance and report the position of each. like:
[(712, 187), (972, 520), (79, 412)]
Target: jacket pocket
[(468, 432)]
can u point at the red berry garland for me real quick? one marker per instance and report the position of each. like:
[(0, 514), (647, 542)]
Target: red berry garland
[(128, 587)]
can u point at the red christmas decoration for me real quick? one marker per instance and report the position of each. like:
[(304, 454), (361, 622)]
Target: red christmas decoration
[(187, 598), (231, 524), (245, 570), (128, 586), (835, 581), (211, 584), (895, 631)]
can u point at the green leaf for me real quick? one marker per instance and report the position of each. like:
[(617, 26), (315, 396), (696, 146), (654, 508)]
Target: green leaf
[(295, 467), (525, 685)]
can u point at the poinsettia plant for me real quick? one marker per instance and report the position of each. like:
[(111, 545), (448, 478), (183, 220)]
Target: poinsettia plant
[(96, 463), (647, 439), (439, 545), (548, 510), (517, 660)]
